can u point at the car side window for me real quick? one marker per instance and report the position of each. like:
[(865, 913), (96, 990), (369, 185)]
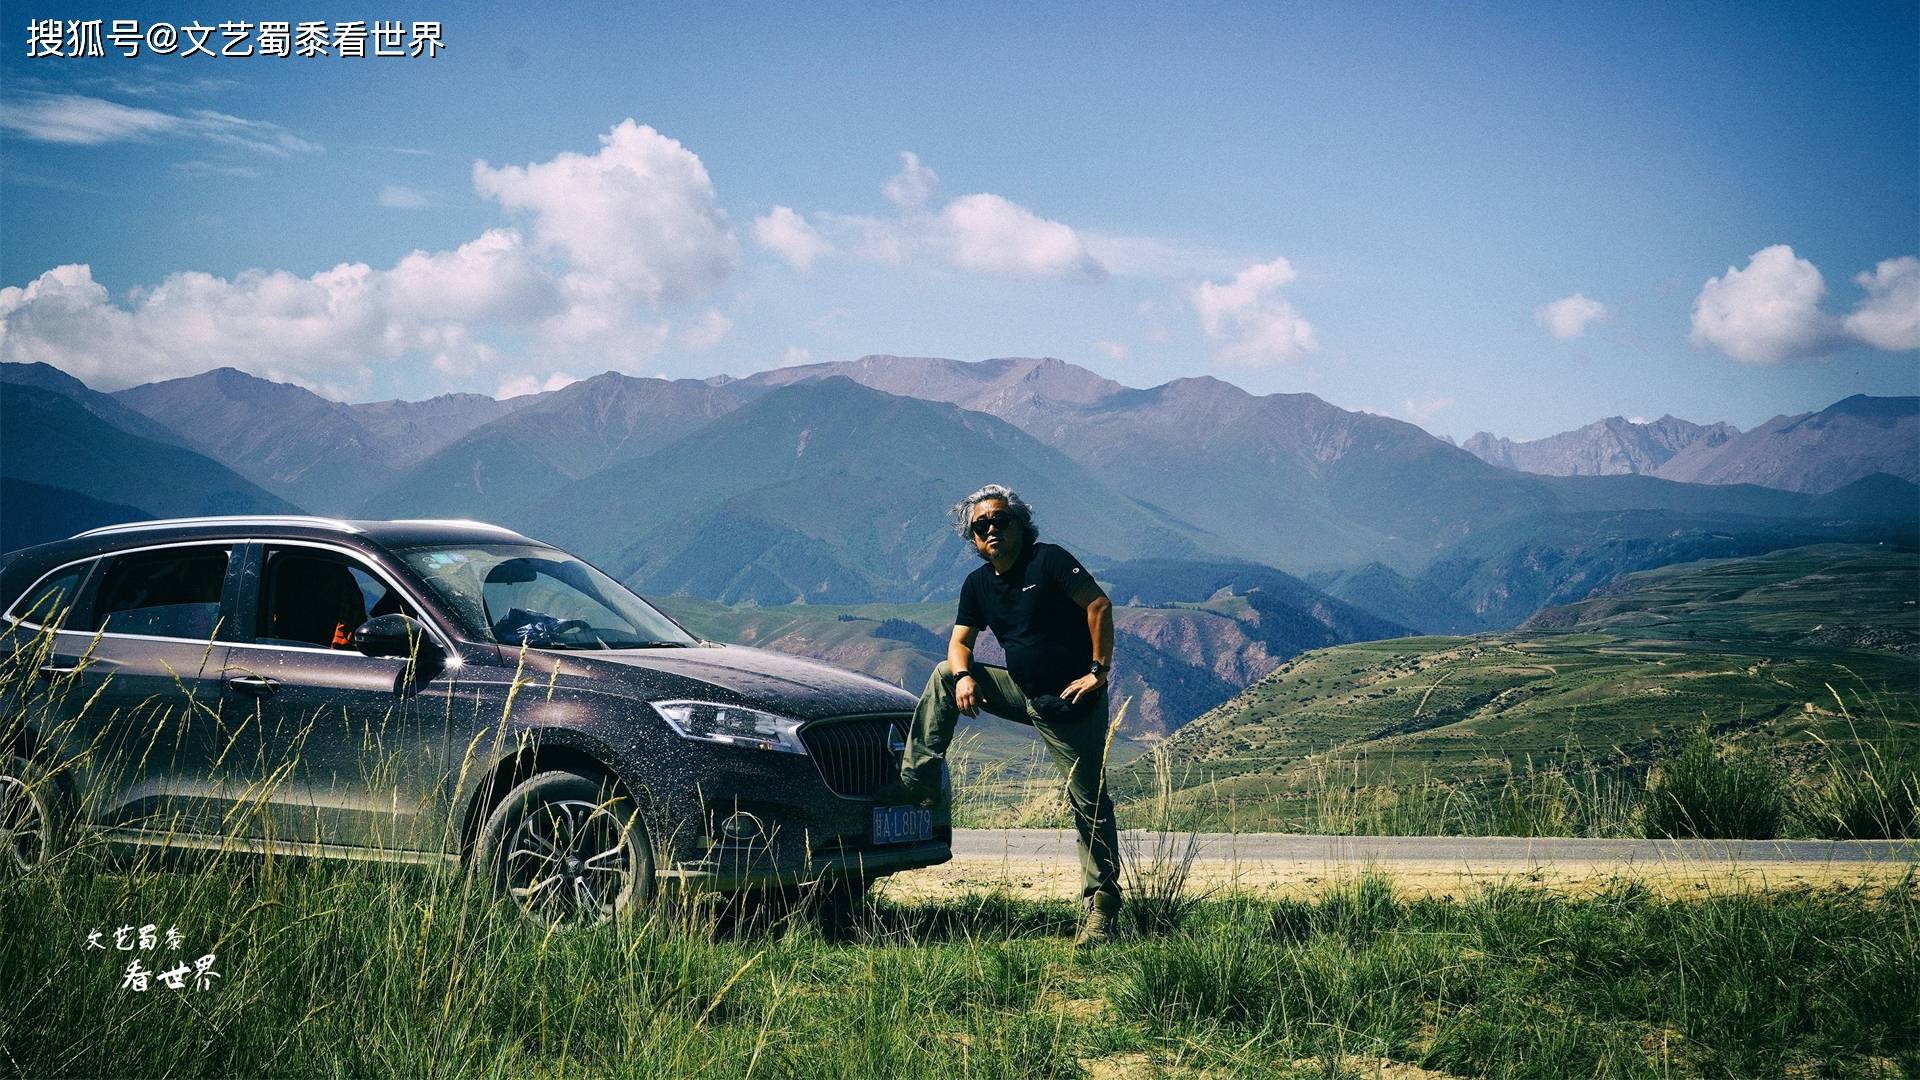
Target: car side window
[(315, 598), (171, 592), (51, 601)]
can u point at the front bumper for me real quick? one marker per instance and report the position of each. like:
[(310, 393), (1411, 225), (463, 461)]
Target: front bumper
[(773, 818), (742, 867)]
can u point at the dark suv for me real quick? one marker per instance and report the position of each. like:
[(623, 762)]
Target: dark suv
[(426, 691)]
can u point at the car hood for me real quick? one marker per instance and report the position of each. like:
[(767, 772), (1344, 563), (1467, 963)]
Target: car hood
[(777, 682)]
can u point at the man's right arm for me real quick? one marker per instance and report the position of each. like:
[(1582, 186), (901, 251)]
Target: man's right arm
[(960, 658)]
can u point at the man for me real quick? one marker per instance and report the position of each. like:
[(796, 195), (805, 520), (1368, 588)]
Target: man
[(1056, 626)]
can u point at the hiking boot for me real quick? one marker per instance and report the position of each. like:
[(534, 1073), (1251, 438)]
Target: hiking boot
[(1102, 917), (900, 793)]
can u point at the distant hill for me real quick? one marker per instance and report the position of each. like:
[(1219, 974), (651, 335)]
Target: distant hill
[(1812, 452), (522, 458), (1817, 452), (1384, 591), (104, 406), (1603, 448), (290, 440), (1024, 391), (49, 440), (407, 432), (827, 491), (36, 513), (1755, 647)]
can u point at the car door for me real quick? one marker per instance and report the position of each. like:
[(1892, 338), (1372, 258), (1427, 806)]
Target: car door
[(350, 748), (142, 716), (42, 664)]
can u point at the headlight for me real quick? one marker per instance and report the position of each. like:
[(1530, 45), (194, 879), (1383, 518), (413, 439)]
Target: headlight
[(732, 725)]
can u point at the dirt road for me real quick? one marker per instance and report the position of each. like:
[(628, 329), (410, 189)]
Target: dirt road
[(1042, 862)]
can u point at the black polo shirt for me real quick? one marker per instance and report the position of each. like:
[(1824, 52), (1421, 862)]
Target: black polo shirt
[(1031, 611)]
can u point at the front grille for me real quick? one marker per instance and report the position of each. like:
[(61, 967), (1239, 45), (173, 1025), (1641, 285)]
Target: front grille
[(853, 754)]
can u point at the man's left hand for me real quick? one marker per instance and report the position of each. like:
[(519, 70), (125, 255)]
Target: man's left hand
[(1082, 686)]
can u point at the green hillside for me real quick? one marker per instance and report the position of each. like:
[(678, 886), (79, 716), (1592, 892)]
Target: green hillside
[(1775, 653)]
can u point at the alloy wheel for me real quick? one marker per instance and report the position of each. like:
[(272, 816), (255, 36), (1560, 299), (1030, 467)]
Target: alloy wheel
[(26, 828), (568, 862)]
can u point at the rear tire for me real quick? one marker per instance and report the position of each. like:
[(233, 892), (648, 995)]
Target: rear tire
[(32, 817), (569, 849)]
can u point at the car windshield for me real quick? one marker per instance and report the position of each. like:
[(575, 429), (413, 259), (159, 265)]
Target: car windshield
[(540, 597)]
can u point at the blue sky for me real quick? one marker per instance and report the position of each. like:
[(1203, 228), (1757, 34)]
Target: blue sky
[(1517, 218)]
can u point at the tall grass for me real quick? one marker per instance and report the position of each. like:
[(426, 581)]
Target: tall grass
[(1156, 859), (1863, 795), (1706, 792), (329, 969)]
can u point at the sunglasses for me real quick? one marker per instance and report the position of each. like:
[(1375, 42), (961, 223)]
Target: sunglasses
[(1000, 521)]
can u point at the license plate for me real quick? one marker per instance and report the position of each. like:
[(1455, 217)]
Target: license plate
[(901, 824)]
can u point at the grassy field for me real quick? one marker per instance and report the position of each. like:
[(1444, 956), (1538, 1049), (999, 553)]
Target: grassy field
[(1800, 658), (344, 970), (341, 969)]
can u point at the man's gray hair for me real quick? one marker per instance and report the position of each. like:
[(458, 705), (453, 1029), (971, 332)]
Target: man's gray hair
[(1017, 506)]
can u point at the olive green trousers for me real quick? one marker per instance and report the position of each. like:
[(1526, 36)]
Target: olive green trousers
[(1078, 747)]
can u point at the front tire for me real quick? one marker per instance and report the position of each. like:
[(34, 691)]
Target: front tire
[(569, 849)]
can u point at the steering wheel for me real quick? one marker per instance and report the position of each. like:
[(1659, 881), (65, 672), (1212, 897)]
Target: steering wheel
[(565, 625)]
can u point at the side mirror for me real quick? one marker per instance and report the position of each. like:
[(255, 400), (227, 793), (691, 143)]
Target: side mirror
[(394, 635)]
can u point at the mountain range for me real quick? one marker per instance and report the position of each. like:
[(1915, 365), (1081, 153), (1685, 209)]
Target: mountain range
[(1812, 452), (827, 484)]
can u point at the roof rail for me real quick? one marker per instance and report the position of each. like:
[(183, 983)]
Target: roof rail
[(467, 523), (231, 519)]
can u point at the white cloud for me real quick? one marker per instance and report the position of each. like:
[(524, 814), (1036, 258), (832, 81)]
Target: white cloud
[(913, 185), (641, 213), (522, 385), (324, 331), (1421, 410), (1889, 317), (215, 168), (1249, 322), (598, 326), (615, 234), (401, 197), (81, 121), (1567, 317), (796, 355), (1768, 313), (992, 235), (255, 135), (981, 233), (1112, 350), (492, 276), (708, 331), (787, 234), (1157, 331), (1142, 256), (78, 120)]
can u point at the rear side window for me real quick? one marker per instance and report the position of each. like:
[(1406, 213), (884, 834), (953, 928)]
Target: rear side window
[(173, 592), (49, 601), (317, 599)]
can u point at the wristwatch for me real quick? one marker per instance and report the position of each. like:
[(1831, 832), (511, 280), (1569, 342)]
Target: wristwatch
[(1098, 668), (963, 673)]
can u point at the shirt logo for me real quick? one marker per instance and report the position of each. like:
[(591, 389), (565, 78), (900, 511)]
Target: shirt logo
[(1035, 585)]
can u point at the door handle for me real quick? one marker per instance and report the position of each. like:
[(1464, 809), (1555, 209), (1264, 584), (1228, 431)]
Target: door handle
[(51, 671), (258, 685)]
